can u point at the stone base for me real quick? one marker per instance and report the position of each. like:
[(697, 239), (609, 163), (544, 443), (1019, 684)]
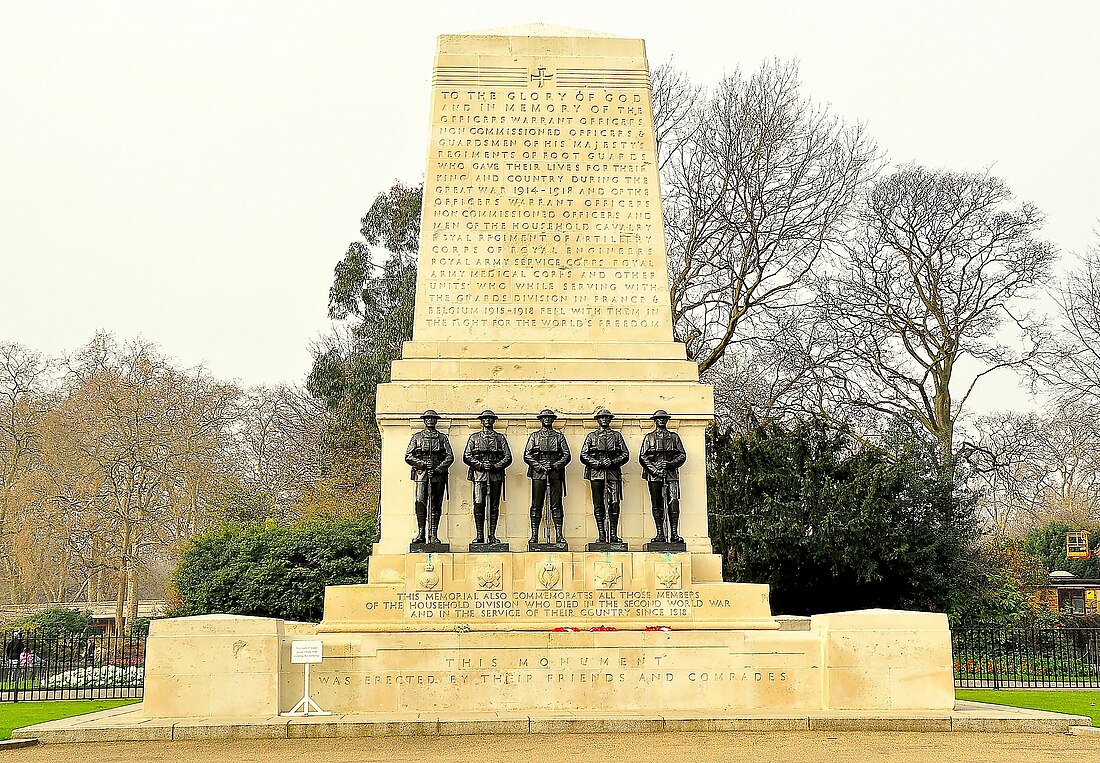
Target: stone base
[(429, 548), (551, 547), (667, 548), (614, 548), (875, 660), (541, 591), (489, 548), (131, 723)]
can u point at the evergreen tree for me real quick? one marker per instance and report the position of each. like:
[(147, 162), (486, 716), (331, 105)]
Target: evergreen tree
[(834, 526), (373, 294), (268, 570)]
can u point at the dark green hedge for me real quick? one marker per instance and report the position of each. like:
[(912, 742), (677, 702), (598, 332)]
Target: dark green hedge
[(268, 570)]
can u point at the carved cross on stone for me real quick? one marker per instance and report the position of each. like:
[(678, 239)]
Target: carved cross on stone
[(541, 77)]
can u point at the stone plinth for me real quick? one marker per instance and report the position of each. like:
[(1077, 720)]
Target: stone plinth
[(214, 666), (888, 659), (543, 591), (852, 661)]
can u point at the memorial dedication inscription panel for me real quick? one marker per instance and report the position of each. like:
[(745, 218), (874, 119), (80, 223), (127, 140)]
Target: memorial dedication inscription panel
[(542, 214)]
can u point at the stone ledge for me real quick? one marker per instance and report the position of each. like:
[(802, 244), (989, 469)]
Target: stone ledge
[(107, 726)]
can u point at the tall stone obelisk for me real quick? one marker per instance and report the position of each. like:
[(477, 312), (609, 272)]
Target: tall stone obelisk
[(542, 277)]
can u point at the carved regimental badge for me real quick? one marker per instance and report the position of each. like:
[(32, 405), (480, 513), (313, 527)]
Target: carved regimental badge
[(488, 577), (550, 576), (668, 575), (427, 577), (608, 575)]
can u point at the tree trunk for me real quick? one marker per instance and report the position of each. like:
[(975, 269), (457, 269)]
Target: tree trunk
[(120, 595), (131, 596)]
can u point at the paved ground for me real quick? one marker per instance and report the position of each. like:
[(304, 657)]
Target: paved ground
[(732, 747)]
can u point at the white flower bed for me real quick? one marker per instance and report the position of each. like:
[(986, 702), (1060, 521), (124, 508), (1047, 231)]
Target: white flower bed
[(102, 677)]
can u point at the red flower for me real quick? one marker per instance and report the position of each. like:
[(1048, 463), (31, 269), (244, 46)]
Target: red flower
[(599, 628), (565, 629)]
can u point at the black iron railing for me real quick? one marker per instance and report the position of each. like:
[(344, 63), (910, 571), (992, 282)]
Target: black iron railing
[(71, 667), (1005, 658)]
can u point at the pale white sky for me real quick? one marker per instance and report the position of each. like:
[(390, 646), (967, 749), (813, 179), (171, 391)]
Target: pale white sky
[(192, 171)]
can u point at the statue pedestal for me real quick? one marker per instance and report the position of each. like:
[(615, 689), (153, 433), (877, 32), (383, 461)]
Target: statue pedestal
[(463, 636)]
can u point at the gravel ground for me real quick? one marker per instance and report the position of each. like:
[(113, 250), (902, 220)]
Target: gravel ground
[(730, 747)]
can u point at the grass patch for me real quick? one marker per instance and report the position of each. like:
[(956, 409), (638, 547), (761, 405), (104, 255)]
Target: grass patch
[(1072, 702), (14, 715)]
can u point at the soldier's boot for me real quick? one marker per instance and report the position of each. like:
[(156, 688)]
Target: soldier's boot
[(674, 521), (536, 523), (613, 521), (494, 515), (421, 521), (659, 523), (558, 515), (436, 515), (479, 523), (598, 512)]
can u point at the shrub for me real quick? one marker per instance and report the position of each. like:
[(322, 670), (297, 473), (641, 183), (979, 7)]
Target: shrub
[(54, 622), (269, 570), (833, 525)]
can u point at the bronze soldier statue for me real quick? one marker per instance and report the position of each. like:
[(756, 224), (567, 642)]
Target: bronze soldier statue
[(661, 456), (546, 455), (603, 455), (487, 454), (430, 456)]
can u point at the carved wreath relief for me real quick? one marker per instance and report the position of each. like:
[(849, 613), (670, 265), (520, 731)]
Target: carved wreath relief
[(428, 577)]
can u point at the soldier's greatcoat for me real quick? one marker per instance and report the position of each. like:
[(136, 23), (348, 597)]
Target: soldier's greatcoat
[(548, 449), (662, 448), (428, 449), (488, 455), (599, 445)]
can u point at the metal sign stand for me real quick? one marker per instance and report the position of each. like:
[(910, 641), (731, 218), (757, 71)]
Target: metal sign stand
[(306, 652)]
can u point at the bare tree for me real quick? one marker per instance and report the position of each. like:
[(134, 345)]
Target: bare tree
[(281, 445), (1071, 363), (934, 297), (1037, 468), (758, 182), (133, 444), (23, 403)]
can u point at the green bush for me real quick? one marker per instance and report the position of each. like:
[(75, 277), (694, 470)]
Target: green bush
[(140, 627), (832, 525), (54, 622), (269, 570), (1048, 543)]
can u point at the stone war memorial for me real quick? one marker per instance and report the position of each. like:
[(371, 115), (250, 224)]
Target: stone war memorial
[(544, 551)]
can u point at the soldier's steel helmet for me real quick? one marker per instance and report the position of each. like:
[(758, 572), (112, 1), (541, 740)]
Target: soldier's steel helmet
[(547, 413), (487, 414), (660, 414), (602, 412), (429, 414)]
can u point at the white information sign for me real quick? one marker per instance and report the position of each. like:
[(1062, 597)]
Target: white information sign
[(305, 651)]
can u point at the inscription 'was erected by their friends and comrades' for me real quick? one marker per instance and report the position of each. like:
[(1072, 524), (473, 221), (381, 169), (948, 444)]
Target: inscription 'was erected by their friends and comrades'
[(542, 206)]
